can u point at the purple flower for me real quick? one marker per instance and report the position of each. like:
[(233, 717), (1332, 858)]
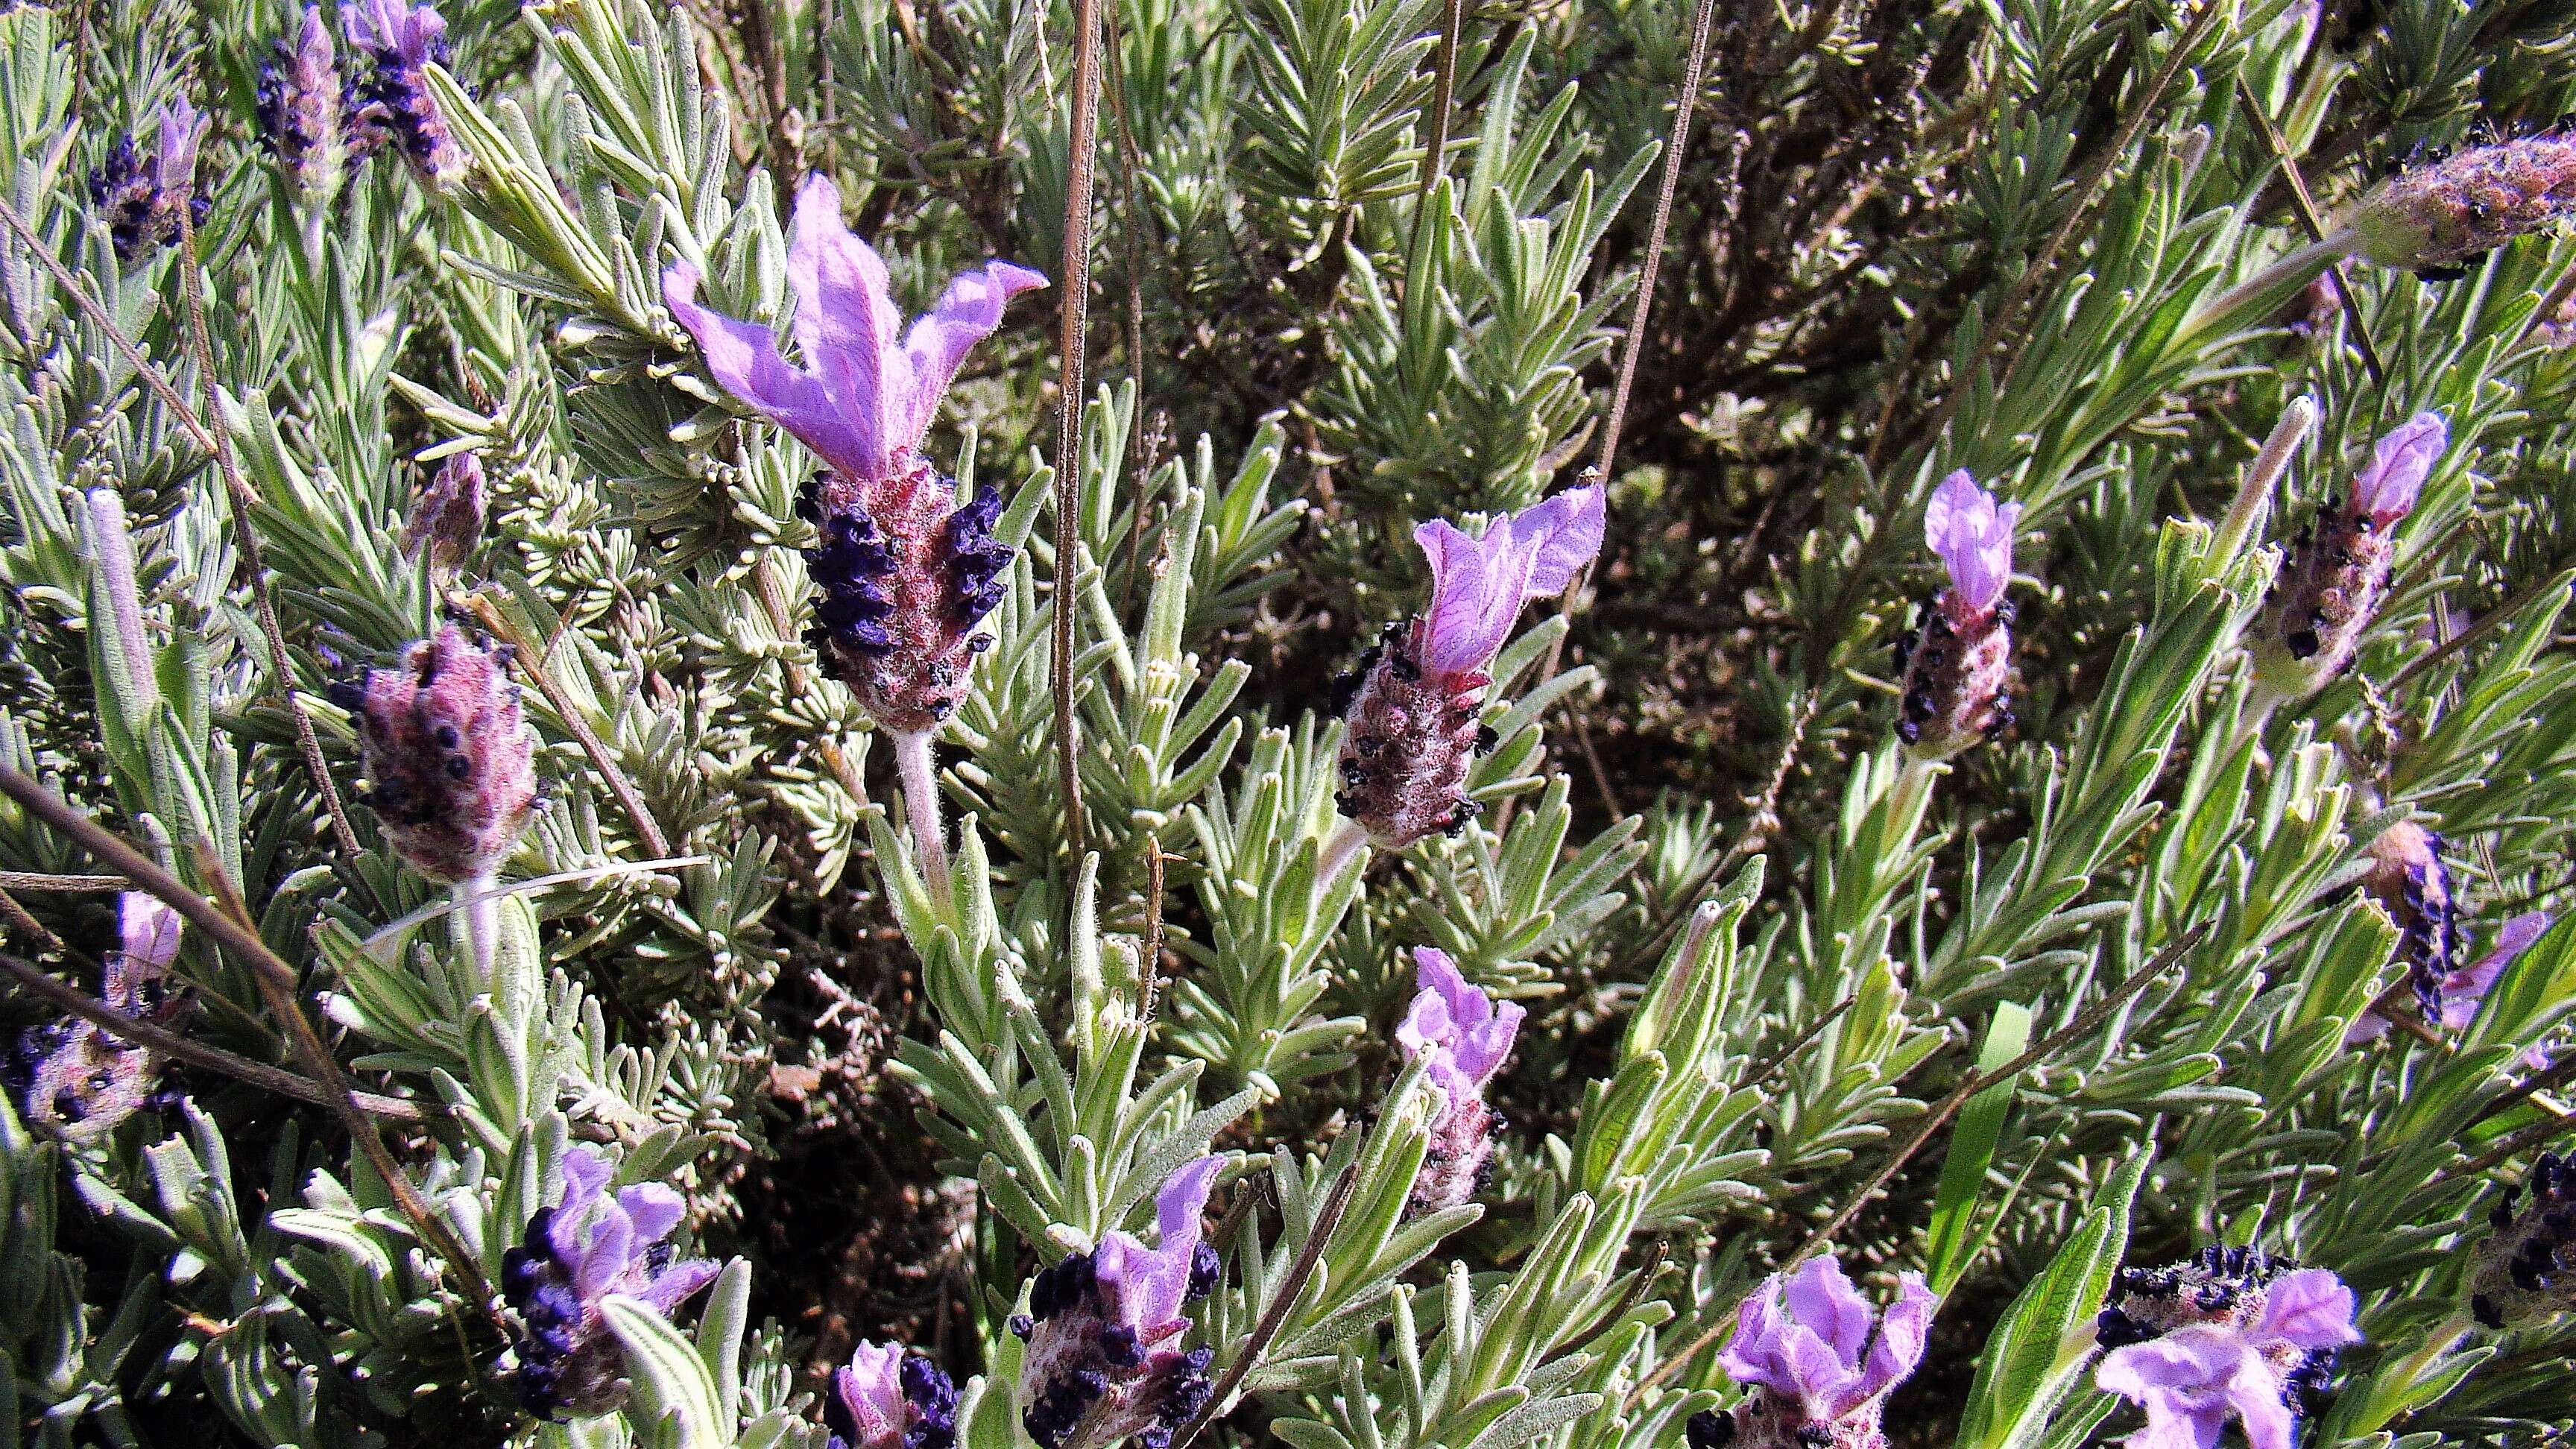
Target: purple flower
[(591, 1244), (2462, 990), (2230, 1333), (2399, 464), (75, 1079), (1817, 1360), (1103, 1328), (905, 572), (1974, 539), (864, 398), (1954, 668), (403, 41), (2526, 1269), (142, 199), (304, 106), (1411, 703), (2336, 579), (1462, 1038), (450, 764), (889, 1399)]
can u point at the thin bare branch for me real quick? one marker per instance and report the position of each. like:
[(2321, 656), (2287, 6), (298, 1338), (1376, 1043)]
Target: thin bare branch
[(1068, 446)]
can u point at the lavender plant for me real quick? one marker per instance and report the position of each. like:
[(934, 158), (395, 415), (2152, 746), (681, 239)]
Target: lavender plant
[(1614, 727)]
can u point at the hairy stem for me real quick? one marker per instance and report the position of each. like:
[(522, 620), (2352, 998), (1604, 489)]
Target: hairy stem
[(912, 760)]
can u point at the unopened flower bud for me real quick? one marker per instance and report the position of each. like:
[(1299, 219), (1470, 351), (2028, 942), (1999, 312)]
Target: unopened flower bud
[(142, 197), (2231, 1333), (1411, 703), (1817, 1362), (304, 110), (2333, 585), (77, 1080), (450, 763), (889, 1399), (446, 522), (401, 41), (2436, 218), (2526, 1269), (1955, 669)]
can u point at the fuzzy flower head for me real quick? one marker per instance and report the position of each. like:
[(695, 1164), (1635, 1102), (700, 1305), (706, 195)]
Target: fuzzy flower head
[(2232, 1333), (303, 109), (1818, 1361), (446, 521), (401, 41), (143, 198), (450, 763), (1103, 1362), (2435, 219), (1411, 703), (76, 1080), (2336, 580), (904, 570), (1462, 1038), (592, 1243), (1955, 666), (890, 1399), (2526, 1269)]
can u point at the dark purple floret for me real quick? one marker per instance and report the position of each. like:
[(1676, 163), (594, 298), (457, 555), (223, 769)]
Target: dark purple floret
[(849, 568), (975, 559), (2526, 1269), (143, 198), (401, 42)]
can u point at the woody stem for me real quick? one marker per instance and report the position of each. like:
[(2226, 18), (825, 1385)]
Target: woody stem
[(920, 774)]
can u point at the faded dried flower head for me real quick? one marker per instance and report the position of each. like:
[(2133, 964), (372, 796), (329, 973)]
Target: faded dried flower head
[(77, 1080), (592, 1243), (304, 109), (142, 198), (2232, 1333), (2434, 219), (1103, 1362), (887, 1398), (1817, 1362), (2336, 580), (905, 571), (1411, 702), (1462, 1039), (450, 763), (446, 521), (401, 41), (2526, 1269), (1955, 668)]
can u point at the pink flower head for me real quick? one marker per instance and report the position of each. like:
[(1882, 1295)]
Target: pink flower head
[(2248, 1365), (863, 397), (1974, 539), (1478, 585), (450, 762), (1818, 1352), (2386, 490), (1465, 1034), (889, 1399), (76, 1080)]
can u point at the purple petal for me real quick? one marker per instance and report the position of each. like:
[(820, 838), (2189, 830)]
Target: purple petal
[(147, 929), (1426, 1026), (2463, 990), (1823, 1300), (966, 314), (607, 1243), (174, 157), (871, 1388), (2255, 1393), (673, 1285), (1565, 534), (1902, 1330), (846, 323), (1178, 1207), (743, 358), (1973, 538), (1148, 1285), (1483, 1048), (2311, 1308), (2194, 1357), (1827, 1380), (653, 1210), (1475, 595), (1753, 1355), (585, 1172), (2388, 488)]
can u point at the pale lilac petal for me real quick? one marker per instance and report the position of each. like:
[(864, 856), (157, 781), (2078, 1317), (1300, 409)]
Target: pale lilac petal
[(1436, 973), (1178, 1207), (652, 1209), (1752, 1356), (1484, 1047), (673, 1286), (147, 929), (2369, 1027), (1565, 532), (966, 314), (585, 1172), (1826, 1378), (174, 157), (2255, 1393), (2465, 989), (1426, 1026), (1902, 1330), (1148, 1285), (1973, 538), (743, 358), (846, 323), (2399, 464), (2311, 1308), (872, 1389), (1466, 627), (1824, 1300), (2186, 1380)]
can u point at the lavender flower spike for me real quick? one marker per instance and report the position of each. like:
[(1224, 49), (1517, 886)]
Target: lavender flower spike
[(589, 1245), (142, 201), (2229, 1334), (1103, 1363), (450, 763), (77, 1080), (2462, 990), (1955, 669), (403, 41), (303, 109), (2332, 588), (1462, 1039), (1817, 1362), (1411, 703), (2434, 220), (889, 1399), (905, 573)]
